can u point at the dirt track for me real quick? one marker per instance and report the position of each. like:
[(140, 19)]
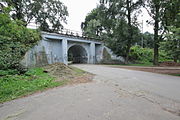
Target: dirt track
[(162, 70)]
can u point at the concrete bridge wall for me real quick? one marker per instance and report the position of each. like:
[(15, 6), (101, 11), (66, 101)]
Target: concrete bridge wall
[(54, 48)]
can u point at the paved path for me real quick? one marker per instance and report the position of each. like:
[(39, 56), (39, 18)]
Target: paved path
[(114, 94)]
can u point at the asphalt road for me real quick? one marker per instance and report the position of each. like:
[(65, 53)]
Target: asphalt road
[(114, 94)]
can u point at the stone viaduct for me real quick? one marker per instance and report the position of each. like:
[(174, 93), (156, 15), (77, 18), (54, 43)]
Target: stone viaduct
[(56, 47)]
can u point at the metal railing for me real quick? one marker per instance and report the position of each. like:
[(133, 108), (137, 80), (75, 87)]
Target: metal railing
[(68, 32), (71, 32), (75, 33)]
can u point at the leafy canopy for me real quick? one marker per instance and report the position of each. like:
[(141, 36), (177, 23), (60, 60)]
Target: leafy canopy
[(109, 22), (15, 41), (48, 14)]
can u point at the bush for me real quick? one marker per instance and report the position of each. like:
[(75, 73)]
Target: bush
[(141, 55), (15, 41), (145, 55), (164, 56)]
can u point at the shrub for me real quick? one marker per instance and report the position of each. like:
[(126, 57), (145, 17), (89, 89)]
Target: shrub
[(141, 55), (15, 41), (145, 55)]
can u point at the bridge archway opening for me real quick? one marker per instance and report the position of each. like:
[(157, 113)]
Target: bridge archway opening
[(77, 54)]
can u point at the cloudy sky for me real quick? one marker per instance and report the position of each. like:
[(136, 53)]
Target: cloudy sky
[(78, 9)]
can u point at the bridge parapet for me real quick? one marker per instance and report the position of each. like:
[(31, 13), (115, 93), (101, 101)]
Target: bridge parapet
[(73, 33)]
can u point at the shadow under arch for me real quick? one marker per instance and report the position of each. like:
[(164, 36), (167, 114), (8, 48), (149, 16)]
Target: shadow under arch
[(77, 54)]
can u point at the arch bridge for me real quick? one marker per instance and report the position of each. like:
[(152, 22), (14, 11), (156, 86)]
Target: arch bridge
[(60, 47)]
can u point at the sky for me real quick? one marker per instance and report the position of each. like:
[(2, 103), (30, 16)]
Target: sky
[(78, 9)]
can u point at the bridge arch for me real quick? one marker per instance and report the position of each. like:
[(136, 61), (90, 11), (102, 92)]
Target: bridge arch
[(77, 54), (55, 47)]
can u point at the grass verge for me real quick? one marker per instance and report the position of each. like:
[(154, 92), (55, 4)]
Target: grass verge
[(145, 65), (175, 75), (141, 65), (13, 86)]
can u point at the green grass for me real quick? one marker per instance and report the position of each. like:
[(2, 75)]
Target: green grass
[(144, 64), (176, 74), (13, 86)]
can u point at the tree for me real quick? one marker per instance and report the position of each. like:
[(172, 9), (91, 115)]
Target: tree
[(114, 15), (15, 41), (95, 22), (92, 28), (130, 7), (156, 9), (171, 20), (47, 13), (147, 40), (172, 44), (126, 9), (92, 24), (119, 40), (171, 13), (165, 20), (112, 26)]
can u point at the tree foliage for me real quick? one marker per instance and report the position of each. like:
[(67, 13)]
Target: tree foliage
[(95, 22), (15, 41), (172, 22), (156, 9), (148, 39), (49, 14), (110, 22), (165, 19), (115, 22), (142, 55), (172, 42)]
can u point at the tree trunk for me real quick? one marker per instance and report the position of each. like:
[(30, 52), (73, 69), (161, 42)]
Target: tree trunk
[(156, 36), (128, 2), (127, 54), (156, 45), (175, 59)]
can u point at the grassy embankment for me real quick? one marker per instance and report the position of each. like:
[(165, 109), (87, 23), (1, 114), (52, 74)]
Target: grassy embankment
[(13, 85)]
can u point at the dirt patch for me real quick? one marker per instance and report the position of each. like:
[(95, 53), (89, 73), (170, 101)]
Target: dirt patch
[(58, 70), (162, 70), (165, 64), (72, 75)]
